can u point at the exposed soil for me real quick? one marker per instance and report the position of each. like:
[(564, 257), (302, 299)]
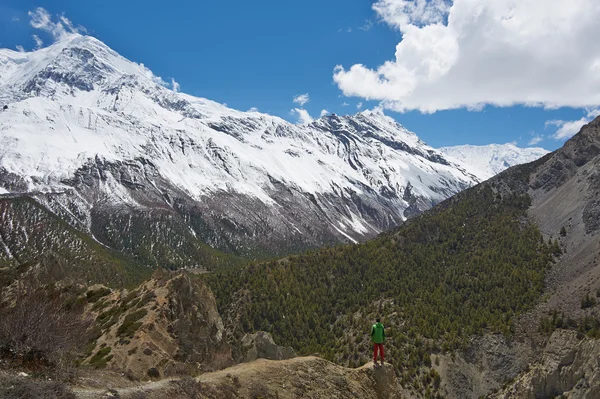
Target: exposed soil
[(301, 377)]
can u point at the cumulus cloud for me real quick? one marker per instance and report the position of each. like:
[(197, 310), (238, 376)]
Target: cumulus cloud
[(324, 112), (62, 27), (359, 105), (20, 48), (174, 85), (470, 53), (400, 13), (253, 109), (301, 99), (567, 129), (304, 117), (38, 42)]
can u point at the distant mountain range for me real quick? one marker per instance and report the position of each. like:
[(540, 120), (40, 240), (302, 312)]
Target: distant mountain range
[(99, 141), (486, 161)]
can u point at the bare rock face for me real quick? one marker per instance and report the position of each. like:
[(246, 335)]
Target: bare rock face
[(569, 367), (168, 326), (261, 345), (488, 363)]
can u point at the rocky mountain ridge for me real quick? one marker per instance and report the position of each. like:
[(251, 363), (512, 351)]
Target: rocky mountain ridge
[(554, 350), (111, 148)]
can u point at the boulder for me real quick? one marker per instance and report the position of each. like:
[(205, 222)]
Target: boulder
[(261, 345)]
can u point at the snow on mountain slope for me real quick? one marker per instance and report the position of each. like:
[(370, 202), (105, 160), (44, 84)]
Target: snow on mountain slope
[(488, 160), (103, 132)]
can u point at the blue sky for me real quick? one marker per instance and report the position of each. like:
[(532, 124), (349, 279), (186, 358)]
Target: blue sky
[(263, 54)]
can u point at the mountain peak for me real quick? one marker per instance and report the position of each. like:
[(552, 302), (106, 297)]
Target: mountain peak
[(82, 118), (370, 124), (74, 63)]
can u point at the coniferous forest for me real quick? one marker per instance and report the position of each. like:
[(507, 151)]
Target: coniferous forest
[(467, 267)]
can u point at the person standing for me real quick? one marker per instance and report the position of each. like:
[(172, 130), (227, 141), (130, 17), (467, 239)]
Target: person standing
[(378, 338)]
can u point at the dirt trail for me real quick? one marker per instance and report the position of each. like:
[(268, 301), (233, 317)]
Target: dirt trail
[(301, 377)]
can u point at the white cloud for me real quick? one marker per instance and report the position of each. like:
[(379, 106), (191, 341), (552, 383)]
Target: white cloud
[(400, 13), (536, 139), (593, 113), (359, 105), (367, 26), (41, 19), (253, 109), (20, 48), (70, 28), (301, 99), (473, 53), (175, 86), (156, 79), (38, 42), (567, 129), (324, 112), (304, 117), (16, 19), (345, 104)]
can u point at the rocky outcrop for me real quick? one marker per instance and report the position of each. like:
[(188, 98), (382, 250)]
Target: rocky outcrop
[(488, 363), (168, 326), (261, 345), (301, 377), (569, 367)]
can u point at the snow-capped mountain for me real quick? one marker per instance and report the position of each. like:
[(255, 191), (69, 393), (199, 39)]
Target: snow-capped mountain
[(102, 143), (486, 161)]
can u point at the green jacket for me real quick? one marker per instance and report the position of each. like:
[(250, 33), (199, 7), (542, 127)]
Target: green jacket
[(378, 333)]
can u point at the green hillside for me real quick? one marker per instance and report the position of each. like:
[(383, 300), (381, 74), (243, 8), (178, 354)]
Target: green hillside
[(33, 237), (467, 267)]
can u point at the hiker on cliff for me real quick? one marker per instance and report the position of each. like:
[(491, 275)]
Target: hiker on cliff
[(378, 338)]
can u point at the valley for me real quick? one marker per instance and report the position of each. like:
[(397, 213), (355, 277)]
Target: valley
[(154, 243)]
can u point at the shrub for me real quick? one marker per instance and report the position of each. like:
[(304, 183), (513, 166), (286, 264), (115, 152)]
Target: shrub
[(563, 232), (188, 386), (587, 302), (38, 330), (94, 295), (131, 324), (101, 358), (137, 395), (30, 388)]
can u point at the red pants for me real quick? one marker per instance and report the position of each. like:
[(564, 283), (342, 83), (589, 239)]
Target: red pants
[(377, 347)]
